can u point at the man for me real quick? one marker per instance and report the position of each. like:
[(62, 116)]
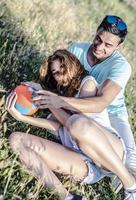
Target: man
[(111, 70)]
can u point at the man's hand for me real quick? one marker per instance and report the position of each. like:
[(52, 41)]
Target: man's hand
[(46, 99)]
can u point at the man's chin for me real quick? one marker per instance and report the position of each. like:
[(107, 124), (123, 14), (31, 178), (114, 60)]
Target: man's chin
[(98, 55)]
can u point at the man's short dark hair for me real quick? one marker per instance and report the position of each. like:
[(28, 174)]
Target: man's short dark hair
[(113, 27)]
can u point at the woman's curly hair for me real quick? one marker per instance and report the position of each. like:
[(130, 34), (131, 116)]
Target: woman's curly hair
[(71, 70)]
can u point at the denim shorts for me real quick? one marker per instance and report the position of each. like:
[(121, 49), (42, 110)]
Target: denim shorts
[(95, 173)]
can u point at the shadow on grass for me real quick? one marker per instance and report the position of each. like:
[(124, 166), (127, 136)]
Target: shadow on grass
[(19, 61)]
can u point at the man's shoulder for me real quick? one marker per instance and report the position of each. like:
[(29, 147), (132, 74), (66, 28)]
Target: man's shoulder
[(118, 60), (120, 70)]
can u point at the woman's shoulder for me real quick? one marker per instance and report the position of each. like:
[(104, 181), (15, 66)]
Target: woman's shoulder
[(88, 79), (87, 87)]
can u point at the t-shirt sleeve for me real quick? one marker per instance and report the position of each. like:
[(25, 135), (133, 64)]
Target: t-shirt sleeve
[(78, 50), (71, 48), (120, 73)]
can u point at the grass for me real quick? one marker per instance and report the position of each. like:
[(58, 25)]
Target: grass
[(29, 31)]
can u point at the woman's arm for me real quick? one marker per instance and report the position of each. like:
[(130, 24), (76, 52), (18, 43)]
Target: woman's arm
[(42, 123), (39, 122), (61, 115)]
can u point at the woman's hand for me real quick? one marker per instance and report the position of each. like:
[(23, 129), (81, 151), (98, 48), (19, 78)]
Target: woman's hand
[(46, 99), (10, 107), (33, 85)]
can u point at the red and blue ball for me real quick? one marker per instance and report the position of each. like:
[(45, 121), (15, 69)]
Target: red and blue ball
[(24, 103)]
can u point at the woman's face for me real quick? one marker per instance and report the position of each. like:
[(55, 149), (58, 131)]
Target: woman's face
[(55, 69)]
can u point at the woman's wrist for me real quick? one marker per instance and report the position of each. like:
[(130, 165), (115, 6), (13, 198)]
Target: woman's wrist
[(24, 118)]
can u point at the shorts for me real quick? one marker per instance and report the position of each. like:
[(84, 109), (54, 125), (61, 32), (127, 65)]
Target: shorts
[(95, 173)]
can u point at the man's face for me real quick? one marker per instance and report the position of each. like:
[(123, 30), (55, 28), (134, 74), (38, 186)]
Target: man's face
[(104, 44)]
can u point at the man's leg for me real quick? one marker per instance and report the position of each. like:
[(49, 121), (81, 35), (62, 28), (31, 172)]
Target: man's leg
[(122, 126)]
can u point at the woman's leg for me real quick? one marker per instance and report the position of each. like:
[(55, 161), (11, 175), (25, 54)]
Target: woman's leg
[(103, 147), (41, 156)]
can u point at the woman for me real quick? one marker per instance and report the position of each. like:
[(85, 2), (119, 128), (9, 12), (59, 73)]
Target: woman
[(85, 156)]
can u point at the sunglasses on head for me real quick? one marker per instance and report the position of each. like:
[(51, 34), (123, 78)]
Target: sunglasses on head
[(113, 20)]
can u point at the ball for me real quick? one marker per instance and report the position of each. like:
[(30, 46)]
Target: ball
[(24, 102)]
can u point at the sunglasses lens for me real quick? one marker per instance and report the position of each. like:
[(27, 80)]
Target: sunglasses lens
[(114, 20), (121, 26), (111, 19)]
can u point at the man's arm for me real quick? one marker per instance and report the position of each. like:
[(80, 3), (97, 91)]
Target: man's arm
[(105, 95), (88, 89)]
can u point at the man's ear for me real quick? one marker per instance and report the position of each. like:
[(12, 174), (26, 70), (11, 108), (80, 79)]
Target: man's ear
[(119, 46)]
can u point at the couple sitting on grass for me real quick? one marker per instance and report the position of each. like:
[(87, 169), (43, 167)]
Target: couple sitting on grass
[(83, 89)]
